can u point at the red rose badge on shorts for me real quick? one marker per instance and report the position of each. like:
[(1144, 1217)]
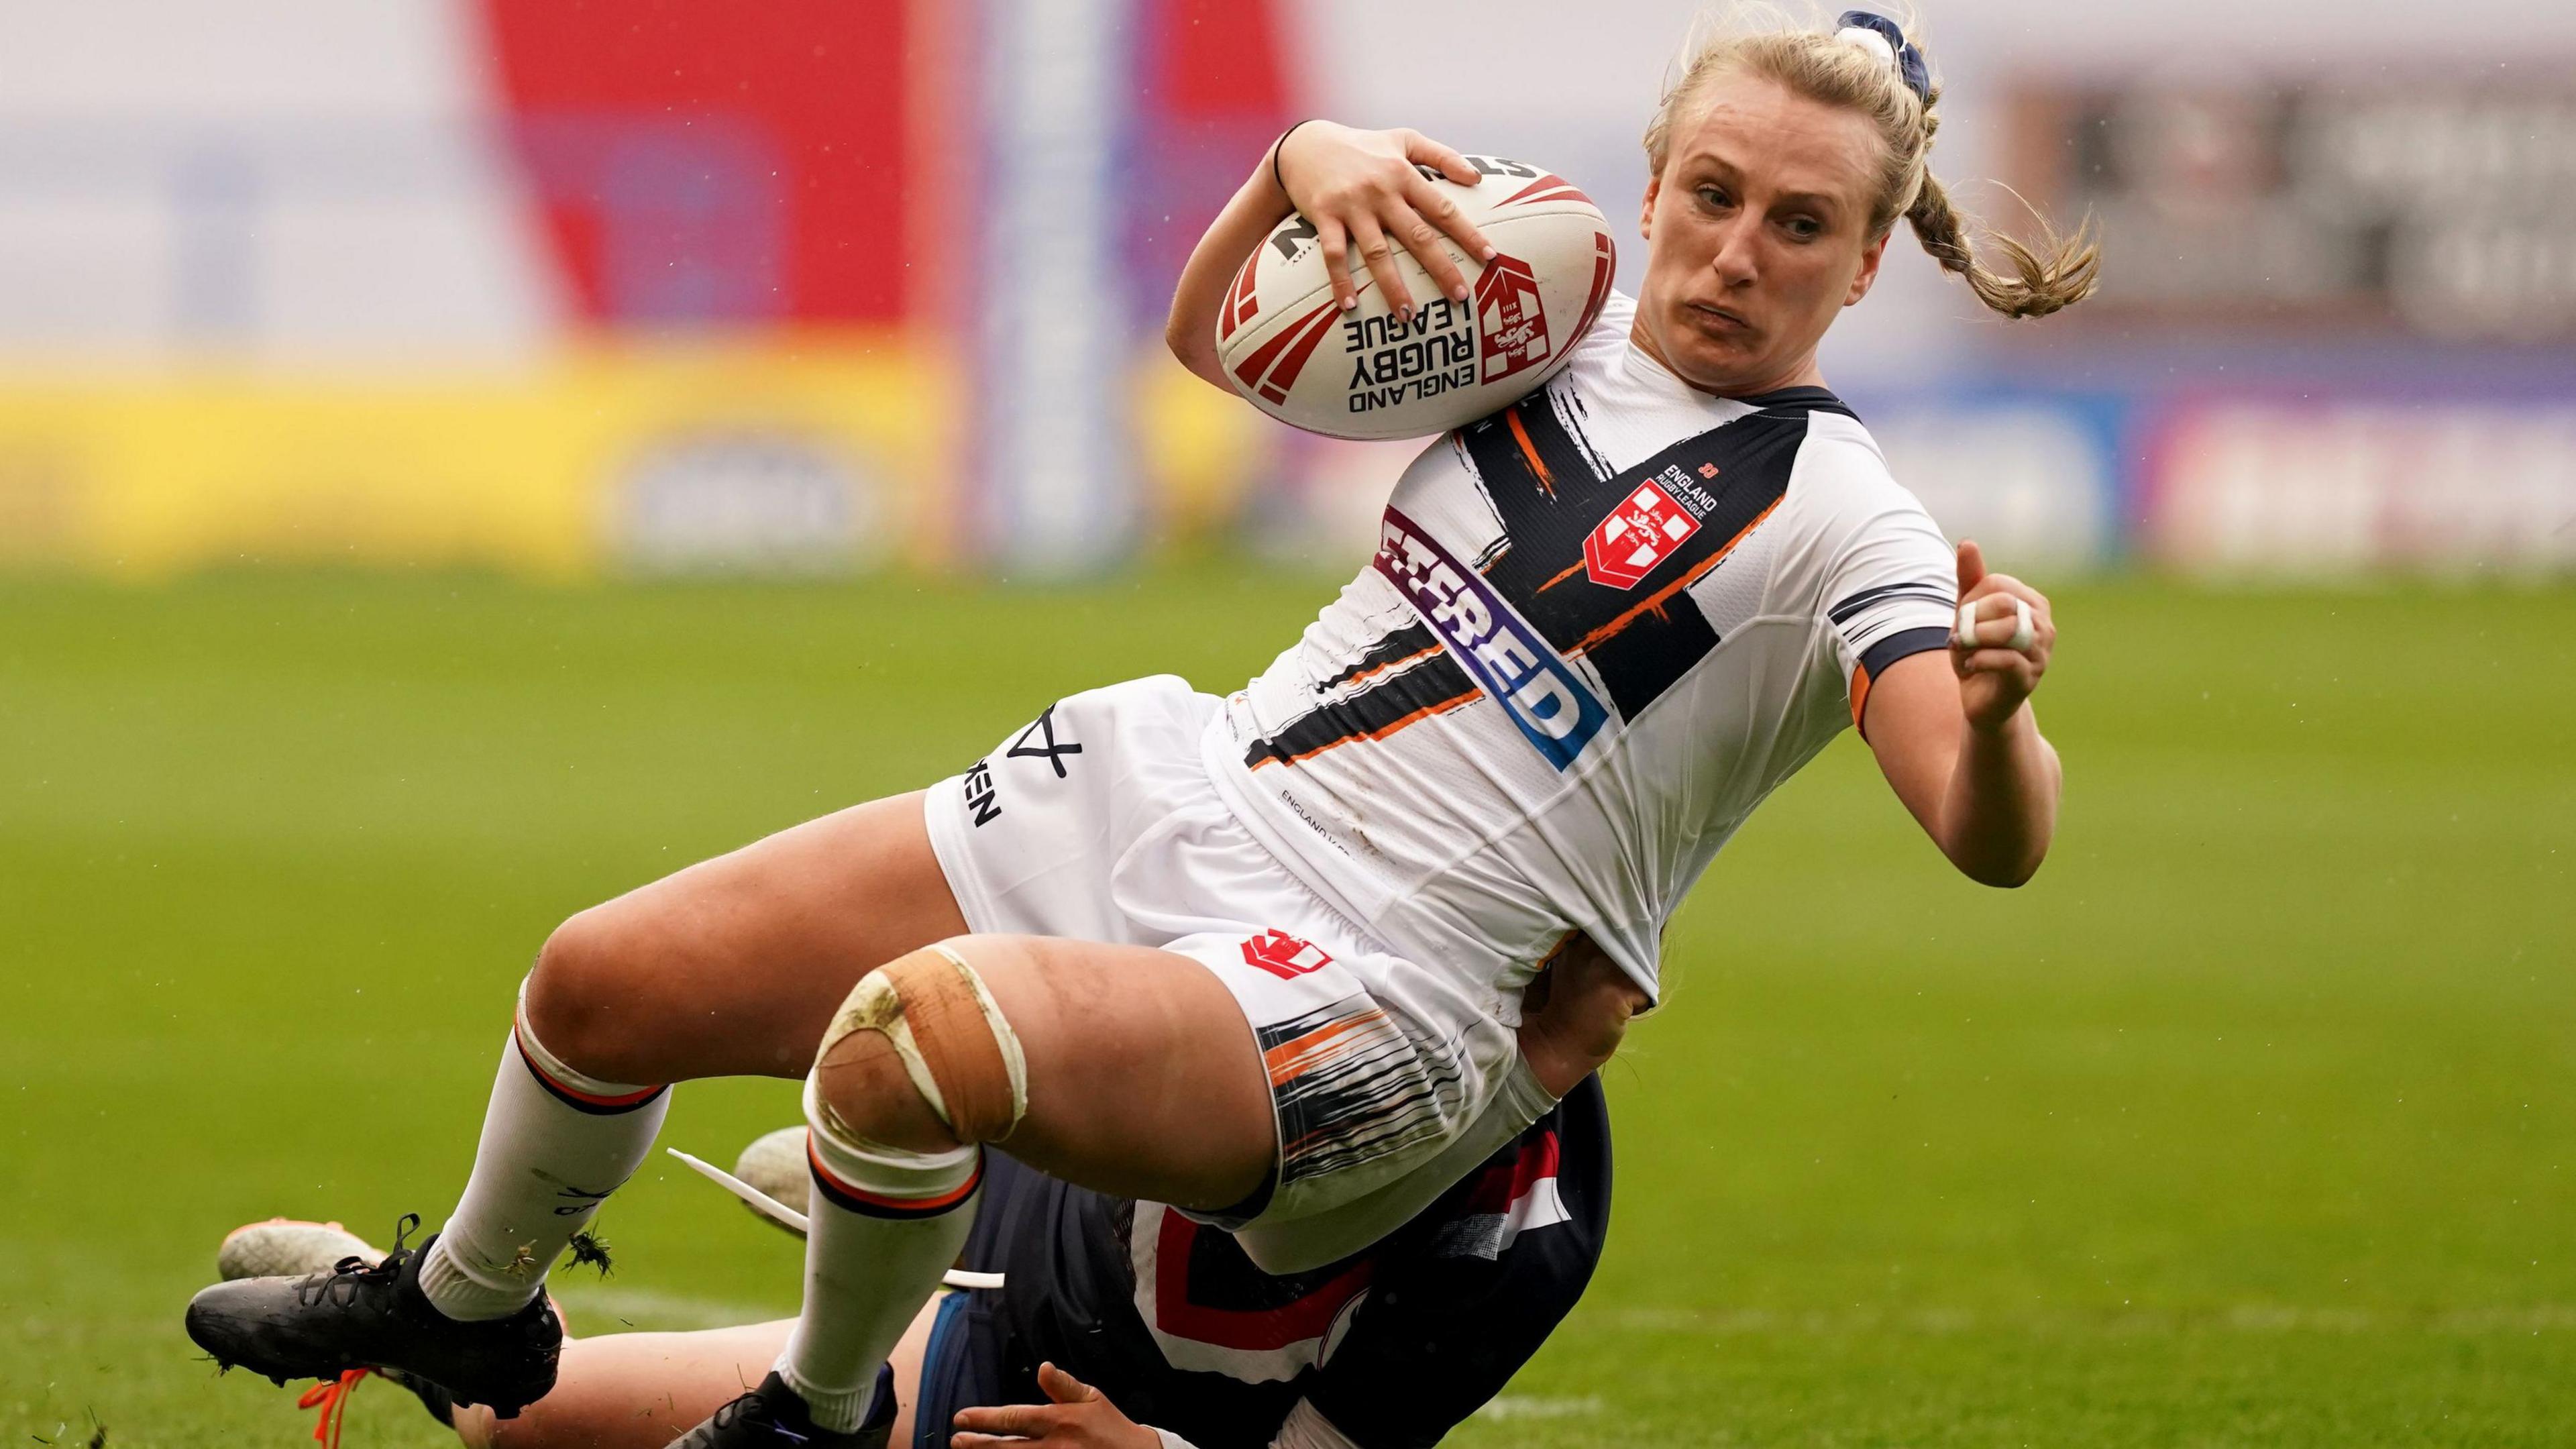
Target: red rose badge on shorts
[(1511, 326), (1640, 533), (1284, 956)]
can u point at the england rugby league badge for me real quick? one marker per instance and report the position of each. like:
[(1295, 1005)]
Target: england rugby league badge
[(1646, 528)]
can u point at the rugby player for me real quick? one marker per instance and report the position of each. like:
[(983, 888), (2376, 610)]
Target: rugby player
[(1263, 957), (1120, 1323)]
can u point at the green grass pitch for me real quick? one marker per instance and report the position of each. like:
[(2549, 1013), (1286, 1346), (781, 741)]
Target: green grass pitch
[(2248, 1123)]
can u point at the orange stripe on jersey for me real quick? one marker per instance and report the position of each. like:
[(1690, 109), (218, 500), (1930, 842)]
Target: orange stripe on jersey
[(1654, 602), (1381, 732), (1294, 1057), (1568, 572), (1366, 675), (1859, 696), (1529, 450)]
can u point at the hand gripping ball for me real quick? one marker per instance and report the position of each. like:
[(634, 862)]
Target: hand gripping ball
[(1367, 373)]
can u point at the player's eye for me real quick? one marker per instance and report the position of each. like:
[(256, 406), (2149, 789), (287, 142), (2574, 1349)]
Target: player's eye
[(1714, 198), (1804, 228)]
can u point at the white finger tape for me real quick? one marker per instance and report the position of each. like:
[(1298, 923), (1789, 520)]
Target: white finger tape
[(2022, 635), (1966, 633)]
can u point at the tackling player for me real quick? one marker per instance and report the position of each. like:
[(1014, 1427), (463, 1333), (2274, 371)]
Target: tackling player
[(1160, 1333), (1264, 957)]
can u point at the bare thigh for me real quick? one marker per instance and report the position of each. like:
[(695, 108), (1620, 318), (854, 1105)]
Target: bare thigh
[(1143, 1076), (642, 1390), (734, 966)]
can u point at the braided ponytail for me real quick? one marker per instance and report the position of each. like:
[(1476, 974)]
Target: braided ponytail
[(2060, 272)]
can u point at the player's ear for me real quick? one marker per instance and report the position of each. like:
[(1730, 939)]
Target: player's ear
[(1646, 210), (1870, 257)]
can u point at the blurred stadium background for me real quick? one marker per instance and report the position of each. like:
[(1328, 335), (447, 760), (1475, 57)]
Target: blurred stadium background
[(461, 458), (571, 290)]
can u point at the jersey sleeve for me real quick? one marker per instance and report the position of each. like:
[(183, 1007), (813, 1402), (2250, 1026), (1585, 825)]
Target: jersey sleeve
[(1478, 1283), (1890, 576)]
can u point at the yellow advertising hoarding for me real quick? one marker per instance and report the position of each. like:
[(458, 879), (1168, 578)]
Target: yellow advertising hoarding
[(811, 455)]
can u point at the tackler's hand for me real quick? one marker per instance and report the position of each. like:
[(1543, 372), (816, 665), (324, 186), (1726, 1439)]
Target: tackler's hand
[(1081, 1417), (2000, 646), (1363, 189), (1575, 1013)]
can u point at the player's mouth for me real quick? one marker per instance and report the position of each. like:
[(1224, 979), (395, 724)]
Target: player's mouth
[(1718, 321)]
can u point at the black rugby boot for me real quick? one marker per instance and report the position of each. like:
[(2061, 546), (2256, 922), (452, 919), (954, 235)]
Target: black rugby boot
[(358, 1316), (773, 1417)]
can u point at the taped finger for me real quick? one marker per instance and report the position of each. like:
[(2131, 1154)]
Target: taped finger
[(1965, 636), (2023, 636)]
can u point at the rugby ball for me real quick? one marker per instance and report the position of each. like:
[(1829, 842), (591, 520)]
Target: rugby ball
[(1368, 373)]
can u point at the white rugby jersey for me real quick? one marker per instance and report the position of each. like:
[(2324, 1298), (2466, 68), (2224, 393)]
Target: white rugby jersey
[(1600, 627)]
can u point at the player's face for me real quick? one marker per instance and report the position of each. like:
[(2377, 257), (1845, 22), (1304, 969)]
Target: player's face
[(1757, 234)]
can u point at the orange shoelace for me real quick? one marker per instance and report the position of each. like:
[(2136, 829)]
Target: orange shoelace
[(331, 1396)]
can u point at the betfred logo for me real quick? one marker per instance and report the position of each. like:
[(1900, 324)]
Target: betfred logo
[(1643, 531), (1517, 669), (1511, 326), (1284, 956)]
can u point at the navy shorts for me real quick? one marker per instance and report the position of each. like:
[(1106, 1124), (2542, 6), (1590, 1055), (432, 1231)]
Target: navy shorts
[(962, 1368), (970, 1361)]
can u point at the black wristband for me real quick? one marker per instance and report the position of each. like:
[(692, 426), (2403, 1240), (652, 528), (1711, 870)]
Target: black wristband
[(1275, 148)]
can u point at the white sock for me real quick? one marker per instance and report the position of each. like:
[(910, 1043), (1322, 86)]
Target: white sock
[(555, 1144), (882, 1226)]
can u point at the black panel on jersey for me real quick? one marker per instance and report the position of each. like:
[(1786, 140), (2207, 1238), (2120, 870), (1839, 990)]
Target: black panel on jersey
[(1433, 684), (1645, 637), (1549, 490), (1393, 648), (1804, 399)]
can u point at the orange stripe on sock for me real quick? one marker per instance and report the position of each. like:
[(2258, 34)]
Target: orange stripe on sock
[(947, 1199), (627, 1099)]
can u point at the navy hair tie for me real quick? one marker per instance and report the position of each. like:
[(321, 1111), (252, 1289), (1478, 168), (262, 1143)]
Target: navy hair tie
[(1909, 57)]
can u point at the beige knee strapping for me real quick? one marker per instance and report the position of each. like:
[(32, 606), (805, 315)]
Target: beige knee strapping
[(960, 1053)]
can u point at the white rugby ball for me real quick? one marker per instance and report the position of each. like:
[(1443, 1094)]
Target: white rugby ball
[(1367, 373)]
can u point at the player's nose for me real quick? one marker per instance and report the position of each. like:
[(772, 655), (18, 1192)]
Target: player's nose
[(1733, 261)]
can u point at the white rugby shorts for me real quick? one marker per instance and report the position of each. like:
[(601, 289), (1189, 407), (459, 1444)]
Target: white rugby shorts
[(1097, 822)]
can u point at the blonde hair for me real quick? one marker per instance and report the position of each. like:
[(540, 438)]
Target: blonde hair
[(1762, 40)]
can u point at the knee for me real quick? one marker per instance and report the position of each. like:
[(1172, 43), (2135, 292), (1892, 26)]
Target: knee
[(920, 1057), (580, 998)]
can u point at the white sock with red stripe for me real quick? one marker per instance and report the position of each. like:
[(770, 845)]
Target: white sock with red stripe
[(881, 1226), (555, 1144)]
